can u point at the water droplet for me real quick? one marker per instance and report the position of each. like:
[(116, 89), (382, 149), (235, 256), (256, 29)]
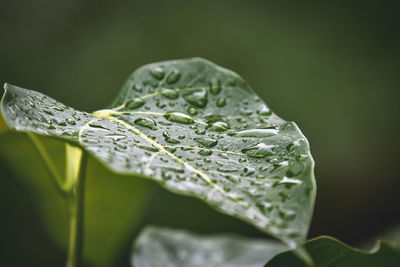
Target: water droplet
[(192, 111), (70, 121), (221, 102), (249, 170), (61, 123), (98, 126), (116, 137), (257, 133), (205, 152), (264, 111), (287, 180), (266, 207), (197, 97), (216, 89), (293, 234), (223, 155), (173, 77), (218, 126), (148, 148), (160, 105), (135, 103), (246, 112), (200, 131), (90, 141), (166, 175), (135, 88), (146, 122), (207, 142), (174, 169), (157, 73), (259, 151), (179, 117), (120, 145), (48, 111), (293, 146), (287, 215), (169, 139), (170, 93), (288, 126), (171, 149), (226, 169), (295, 168)]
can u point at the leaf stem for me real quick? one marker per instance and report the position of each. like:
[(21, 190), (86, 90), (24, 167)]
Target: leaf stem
[(77, 201), (302, 253), (63, 185)]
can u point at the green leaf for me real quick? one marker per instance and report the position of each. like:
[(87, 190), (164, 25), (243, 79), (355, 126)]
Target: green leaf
[(167, 247), (198, 129), (329, 252), (114, 204)]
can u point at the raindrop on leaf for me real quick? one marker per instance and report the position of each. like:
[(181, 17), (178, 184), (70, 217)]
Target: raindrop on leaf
[(197, 97), (135, 103), (157, 73), (179, 117), (146, 122)]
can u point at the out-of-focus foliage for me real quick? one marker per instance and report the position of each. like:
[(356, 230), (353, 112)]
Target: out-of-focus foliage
[(114, 204)]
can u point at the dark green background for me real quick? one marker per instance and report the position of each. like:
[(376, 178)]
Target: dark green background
[(331, 67)]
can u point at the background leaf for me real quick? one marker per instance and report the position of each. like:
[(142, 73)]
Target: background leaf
[(198, 129), (330, 252), (114, 204), (177, 248)]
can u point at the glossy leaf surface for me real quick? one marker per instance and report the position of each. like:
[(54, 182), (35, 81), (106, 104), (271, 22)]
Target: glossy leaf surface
[(330, 252), (197, 129), (176, 248)]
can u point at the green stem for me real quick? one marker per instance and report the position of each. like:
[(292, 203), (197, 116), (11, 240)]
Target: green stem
[(63, 185), (72, 186), (77, 202)]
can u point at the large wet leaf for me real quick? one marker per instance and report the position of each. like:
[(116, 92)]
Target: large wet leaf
[(176, 248), (330, 252), (197, 129)]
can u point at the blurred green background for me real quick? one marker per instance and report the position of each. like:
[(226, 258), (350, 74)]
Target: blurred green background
[(331, 66)]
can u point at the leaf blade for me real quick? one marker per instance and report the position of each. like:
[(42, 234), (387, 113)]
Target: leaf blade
[(205, 134)]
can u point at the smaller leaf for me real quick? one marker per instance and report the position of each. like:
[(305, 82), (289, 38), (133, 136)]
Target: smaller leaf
[(330, 252), (166, 247)]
